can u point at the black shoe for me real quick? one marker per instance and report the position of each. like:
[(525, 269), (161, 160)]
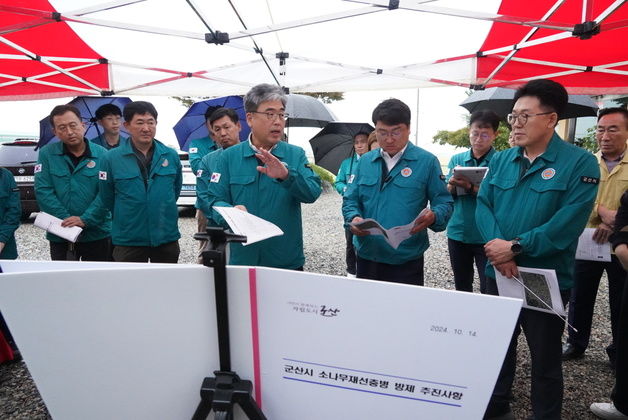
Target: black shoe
[(571, 352)]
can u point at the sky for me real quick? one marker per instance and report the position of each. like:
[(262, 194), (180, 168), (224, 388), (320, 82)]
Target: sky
[(433, 109)]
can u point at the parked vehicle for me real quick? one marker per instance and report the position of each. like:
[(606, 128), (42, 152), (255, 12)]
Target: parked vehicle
[(187, 198), (20, 157)]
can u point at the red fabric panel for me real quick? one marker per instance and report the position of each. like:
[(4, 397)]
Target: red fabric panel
[(607, 47), (44, 37)]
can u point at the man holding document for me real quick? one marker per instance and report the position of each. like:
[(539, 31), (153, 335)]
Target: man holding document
[(531, 208), (463, 238), (393, 185), (66, 187), (611, 135), (268, 178)]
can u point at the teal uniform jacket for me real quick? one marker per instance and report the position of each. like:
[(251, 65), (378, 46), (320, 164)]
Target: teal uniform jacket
[(462, 225), (237, 181), (102, 141), (414, 181), (203, 177), (10, 211), (547, 208), (199, 148), (65, 191), (346, 170), (144, 214)]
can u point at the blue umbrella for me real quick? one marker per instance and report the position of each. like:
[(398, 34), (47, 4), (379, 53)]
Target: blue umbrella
[(87, 105), (192, 125)]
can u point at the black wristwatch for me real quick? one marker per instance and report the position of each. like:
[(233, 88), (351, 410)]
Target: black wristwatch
[(516, 247)]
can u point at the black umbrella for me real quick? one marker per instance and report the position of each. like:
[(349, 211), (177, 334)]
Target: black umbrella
[(334, 143), (500, 101), (307, 111)]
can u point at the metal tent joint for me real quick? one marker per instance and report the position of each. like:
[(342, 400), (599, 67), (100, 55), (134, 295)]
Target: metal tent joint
[(282, 57), (586, 30), (393, 4), (56, 16), (217, 38), (106, 93)]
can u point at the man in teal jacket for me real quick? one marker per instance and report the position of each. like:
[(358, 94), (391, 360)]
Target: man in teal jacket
[(532, 207), (66, 186), (268, 178), (109, 117), (394, 185), (10, 210), (140, 183), (463, 238), (226, 126), (346, 172)]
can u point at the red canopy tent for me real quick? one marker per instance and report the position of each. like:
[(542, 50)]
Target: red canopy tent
[(41, 59), (580, 43), (583, 44)]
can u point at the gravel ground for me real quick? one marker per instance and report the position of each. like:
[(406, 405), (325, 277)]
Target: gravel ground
[(586, 380)]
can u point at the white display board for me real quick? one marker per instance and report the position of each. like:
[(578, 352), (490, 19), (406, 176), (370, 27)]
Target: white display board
[(134, 341)]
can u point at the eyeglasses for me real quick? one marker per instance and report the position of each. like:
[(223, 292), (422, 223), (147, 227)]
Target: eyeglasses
[(610, 130), (478, 134), (272, 115), (395, 134), (523, 118)]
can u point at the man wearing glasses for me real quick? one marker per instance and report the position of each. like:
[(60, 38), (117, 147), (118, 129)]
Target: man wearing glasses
[(268, 178), (394, 185), (611, 135), (66, 186), (531, 208)]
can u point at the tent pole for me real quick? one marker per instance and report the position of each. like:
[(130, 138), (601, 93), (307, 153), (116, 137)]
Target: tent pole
[(416, 119)]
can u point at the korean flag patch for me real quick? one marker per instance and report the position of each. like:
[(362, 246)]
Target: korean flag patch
[(102, 175), (351, 178), (215, 177), (38, 168), (193, 150), (199, 173)]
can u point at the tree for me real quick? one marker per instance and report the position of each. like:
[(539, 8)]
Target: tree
[(588, 141), (326, 97), (460, 138), (188, 101)]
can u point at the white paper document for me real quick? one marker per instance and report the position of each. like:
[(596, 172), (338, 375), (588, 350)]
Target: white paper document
[(244, 223), (394, 236), (52, 224), (541, 291), (475, 174), (590, 250)]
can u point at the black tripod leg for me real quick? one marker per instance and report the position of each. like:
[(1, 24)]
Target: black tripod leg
[(252, 410), (202, 411)]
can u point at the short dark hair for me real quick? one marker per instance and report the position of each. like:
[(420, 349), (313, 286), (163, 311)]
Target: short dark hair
[(106, 110), (550, 94), (224, 112), (210, 110), (485, 118), (614, 110), (392, 112), (138, 108), (62, 109)]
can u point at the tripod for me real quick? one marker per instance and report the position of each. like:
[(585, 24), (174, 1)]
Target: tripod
[(222, 391)]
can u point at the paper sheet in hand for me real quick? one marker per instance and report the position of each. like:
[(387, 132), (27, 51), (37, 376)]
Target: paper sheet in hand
[(52, 224), (394, 236), (590, 250), (475, 174), (243, 223), (543, 283)]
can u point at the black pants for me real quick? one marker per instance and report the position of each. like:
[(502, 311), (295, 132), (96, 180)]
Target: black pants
[(462, 256), (543, 332), (620, 392), (350, 252), (99, 250), (164, 253), (582, 300), (410, 272)]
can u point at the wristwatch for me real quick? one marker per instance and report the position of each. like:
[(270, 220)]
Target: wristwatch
[(516, 247)]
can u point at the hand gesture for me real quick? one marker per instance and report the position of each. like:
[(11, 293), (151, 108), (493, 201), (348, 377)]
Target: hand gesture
[(272, 166)]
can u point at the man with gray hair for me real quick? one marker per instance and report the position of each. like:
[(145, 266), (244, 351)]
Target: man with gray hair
[(268, 178)]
